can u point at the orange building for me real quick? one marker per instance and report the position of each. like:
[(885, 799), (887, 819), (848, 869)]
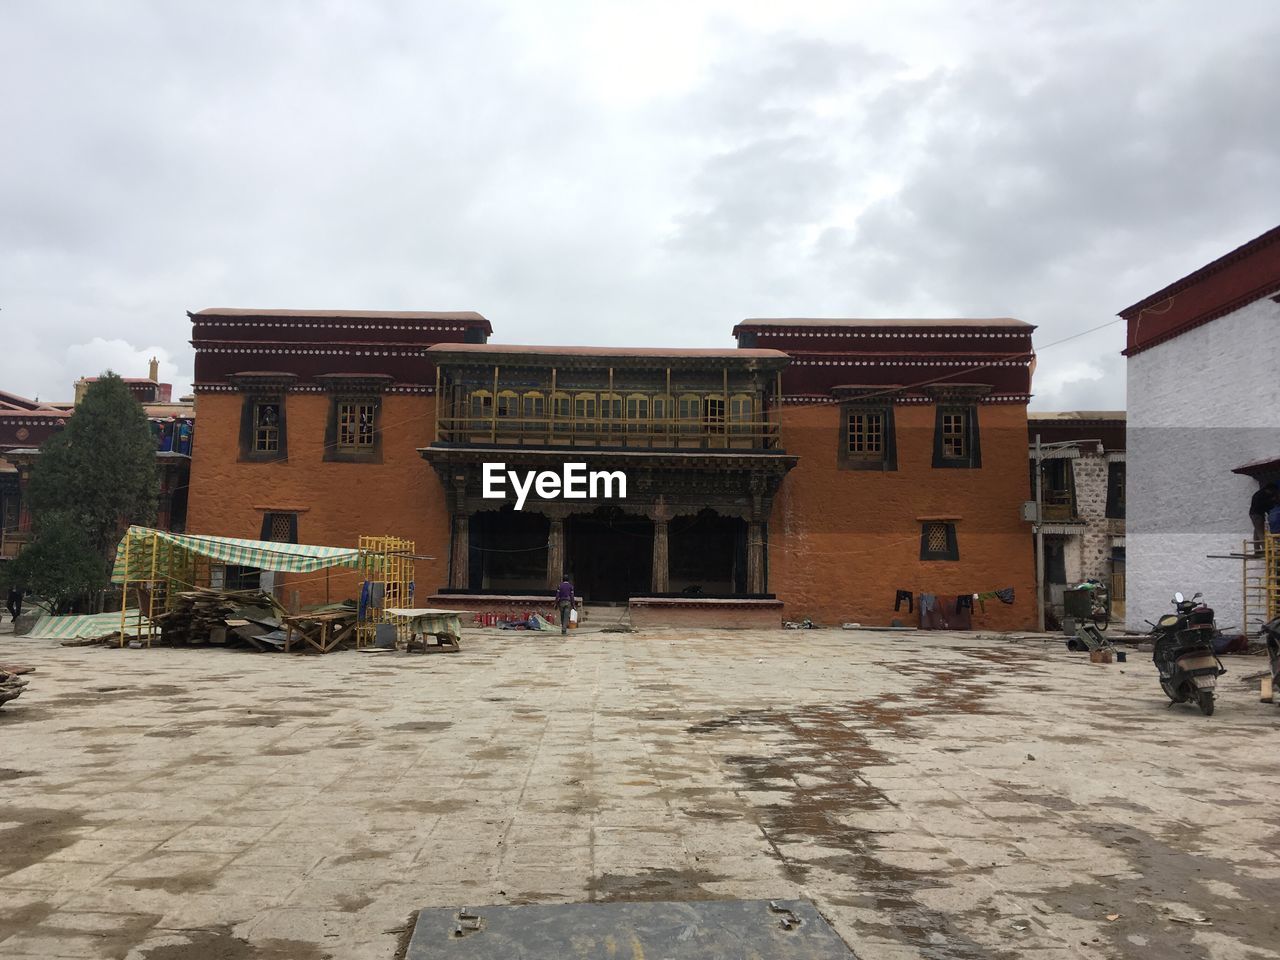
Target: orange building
[(814, 471)]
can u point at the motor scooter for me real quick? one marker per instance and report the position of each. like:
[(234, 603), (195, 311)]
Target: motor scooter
[(1183, 653)]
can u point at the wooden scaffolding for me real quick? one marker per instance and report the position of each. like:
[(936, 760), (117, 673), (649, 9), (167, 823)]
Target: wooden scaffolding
[(1259, 581), (386, 568), (156, 570)]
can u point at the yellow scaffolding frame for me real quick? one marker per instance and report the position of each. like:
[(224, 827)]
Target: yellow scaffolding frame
[(157, 570), (386, 569)]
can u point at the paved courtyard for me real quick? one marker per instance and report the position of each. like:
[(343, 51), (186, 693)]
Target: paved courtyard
[(935, 796)]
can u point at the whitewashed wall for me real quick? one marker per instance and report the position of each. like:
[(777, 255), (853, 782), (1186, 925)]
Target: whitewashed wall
[(1198, 405)]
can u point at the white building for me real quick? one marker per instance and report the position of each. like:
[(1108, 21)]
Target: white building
[(1203, 400)]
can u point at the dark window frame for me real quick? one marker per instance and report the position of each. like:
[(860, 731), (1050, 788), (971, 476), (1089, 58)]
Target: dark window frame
[(268, 522), (335, 452), (888, 459), (1116, 489), (972, 458), (952, 550), (249, 427)]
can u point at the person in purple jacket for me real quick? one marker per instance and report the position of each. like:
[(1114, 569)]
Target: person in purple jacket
[(564, 600)]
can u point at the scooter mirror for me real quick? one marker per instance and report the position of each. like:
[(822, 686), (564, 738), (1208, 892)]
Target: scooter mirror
[(1177, 597), (1197, 595)]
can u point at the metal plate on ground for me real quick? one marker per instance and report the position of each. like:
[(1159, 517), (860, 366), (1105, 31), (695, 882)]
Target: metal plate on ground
[(699, 930)]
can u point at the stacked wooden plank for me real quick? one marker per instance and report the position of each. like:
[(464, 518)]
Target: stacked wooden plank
[(223, 617), (11, 682)]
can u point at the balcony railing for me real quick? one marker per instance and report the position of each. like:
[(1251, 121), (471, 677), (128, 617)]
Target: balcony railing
[(1058, 506), (667, 434)]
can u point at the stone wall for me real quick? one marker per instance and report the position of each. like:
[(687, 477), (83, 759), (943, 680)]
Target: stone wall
[(1094, 542)]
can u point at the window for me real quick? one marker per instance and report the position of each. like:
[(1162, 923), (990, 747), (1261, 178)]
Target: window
[(690, 412), (584, 411), (955, 436), (508, 404), (356, 424), (955, 440), (611, 412), (266, 427), (533, 412), (867, 440), (713, 414), (262, 428), (740, 413), (280, 527), (535, 406), (562, 412), (351, 434), (481, 405), (1115, 490), (637, 413), (663, 410), (938, 541), (866, 434), (240, 578)]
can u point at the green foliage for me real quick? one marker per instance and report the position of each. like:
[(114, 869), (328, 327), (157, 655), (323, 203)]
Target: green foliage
[(59, 564), (101, 470), (90, 482)]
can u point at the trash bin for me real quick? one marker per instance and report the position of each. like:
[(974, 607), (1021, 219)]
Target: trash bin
[(1077, 603)]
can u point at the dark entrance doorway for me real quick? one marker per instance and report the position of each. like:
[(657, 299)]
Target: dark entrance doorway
[(509, 551), (609, 554), (708, 555)]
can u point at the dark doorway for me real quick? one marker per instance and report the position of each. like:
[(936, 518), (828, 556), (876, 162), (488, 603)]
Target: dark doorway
[(509, 551), (708, 555), (610, 554)]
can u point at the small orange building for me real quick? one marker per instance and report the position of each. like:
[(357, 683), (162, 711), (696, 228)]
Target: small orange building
[(818, 470)]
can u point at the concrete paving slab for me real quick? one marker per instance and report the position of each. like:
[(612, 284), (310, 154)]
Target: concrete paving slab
[(935, 796)]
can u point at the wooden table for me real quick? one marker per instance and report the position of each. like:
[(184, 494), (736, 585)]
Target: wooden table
[(323, 631), (425, 622)]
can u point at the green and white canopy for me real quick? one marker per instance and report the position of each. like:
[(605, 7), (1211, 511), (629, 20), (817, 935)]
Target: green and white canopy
[(139, 544)]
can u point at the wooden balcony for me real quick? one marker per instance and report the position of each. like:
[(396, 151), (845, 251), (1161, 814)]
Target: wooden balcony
[(608, 433), (12, 542)]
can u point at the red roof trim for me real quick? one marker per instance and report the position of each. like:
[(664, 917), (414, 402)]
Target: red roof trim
[(1239, 253), (1231, 306)]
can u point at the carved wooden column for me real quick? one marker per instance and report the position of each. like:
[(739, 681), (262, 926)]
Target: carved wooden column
[(555, 552), (755, 538), (755, 557), (460, 542), (660, 581)]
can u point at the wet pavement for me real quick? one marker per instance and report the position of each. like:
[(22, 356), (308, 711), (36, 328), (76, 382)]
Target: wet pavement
[(935, 796)]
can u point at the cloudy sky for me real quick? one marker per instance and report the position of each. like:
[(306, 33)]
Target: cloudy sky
[(621, 173)]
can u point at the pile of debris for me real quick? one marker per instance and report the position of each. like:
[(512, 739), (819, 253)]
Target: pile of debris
[(224, 618), (11, 682)]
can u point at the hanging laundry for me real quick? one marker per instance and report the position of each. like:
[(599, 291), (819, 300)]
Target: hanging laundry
[(1005, 595), (965, 601), (932, 616)]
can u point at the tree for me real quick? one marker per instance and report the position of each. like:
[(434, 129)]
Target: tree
[(59, 565), (90, 482)]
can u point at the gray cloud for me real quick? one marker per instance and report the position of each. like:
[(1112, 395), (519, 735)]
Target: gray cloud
[(585, 173)]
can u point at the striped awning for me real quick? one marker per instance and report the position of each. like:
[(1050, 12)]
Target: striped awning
[(141, 542), (87, 626)]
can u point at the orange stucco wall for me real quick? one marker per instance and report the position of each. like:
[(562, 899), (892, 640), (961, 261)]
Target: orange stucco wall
[(336, 503), (842, 541)]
